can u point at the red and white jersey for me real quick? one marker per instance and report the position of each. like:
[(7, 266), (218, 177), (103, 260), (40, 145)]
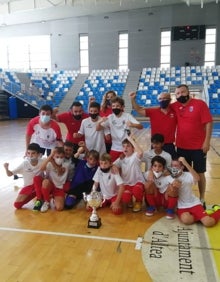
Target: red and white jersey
[(108, 182), (58, 180), (163, 123), (28, 171), (117, 126), (161, 182), (130, 169), (148, 156), (95, 140), (186, 198), (72, 125), (192, 119), (44, 137)]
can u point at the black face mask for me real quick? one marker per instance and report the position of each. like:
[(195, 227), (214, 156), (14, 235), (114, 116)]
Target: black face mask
[(93, 116), (116, 111), (164, 104), (77, 117), (105, 170), (108, 102), (183, 99)]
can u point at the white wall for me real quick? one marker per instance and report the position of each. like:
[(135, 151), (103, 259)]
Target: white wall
[(144, 36)]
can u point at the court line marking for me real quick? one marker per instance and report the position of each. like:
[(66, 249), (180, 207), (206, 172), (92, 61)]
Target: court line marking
[(68, 235)]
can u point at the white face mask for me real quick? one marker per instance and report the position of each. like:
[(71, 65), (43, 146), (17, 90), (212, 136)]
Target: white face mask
[(32, 159), (157, 174), (175, 171), (44, 118), (59, 161)]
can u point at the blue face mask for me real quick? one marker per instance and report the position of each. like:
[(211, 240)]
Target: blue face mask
[(44, 118)]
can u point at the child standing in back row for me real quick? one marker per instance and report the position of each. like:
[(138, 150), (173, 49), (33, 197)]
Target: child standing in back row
[(94, 140), (118, 123)]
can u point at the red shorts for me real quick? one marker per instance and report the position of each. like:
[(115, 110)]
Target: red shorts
[(197, 212), (115, 155), (108, 202), (27, 190), (56, 192), (66, 186)]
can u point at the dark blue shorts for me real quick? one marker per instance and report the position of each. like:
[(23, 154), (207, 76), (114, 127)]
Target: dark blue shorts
[(196, 158)]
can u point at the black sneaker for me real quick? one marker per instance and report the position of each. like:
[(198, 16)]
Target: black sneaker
[(37, 205)]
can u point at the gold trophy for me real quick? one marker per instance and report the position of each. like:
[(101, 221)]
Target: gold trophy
[(94, 200)]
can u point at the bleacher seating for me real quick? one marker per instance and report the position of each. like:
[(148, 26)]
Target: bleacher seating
[(99, 82), (53, 87), (9, 81), (152, 81), (213, 81)]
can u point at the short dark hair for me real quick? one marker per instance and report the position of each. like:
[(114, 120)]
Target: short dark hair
[(34, 147), (119, 100), (157, 138), (46, 108), (59, 150), (76, 104), (126, 141), (94, 154), (183, 85), (94, 105), (159, 160), (68, 144)]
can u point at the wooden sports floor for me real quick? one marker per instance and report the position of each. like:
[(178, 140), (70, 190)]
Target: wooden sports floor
[(58, 246)]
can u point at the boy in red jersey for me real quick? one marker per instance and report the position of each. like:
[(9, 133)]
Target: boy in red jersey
[(194, 129)]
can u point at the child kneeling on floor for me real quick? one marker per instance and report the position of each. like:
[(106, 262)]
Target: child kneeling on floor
[(110, 184), (158, 190), (189, 207), (56, 176)]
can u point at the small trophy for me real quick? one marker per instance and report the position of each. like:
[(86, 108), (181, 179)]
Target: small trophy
[(94, 199)]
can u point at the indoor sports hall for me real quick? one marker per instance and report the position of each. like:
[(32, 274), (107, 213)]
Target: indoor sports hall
[(56, 52)]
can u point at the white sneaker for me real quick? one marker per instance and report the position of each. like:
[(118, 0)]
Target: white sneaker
[(45, 207)]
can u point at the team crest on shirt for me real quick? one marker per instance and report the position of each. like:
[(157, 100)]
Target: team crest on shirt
[(157, 182), (89, 125), (191, 109)]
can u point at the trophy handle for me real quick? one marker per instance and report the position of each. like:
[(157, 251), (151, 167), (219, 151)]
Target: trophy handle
[(84, 197)]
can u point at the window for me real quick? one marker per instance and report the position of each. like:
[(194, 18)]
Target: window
[(165, 48), (123, 51), (84, 53), (210, 47), (31, 52)]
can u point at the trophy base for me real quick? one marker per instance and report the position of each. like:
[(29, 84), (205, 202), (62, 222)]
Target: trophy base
[(94, 224)]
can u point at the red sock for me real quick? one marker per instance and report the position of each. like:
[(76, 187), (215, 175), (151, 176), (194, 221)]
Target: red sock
[(216, 215), (172, 202), (151, 200)]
